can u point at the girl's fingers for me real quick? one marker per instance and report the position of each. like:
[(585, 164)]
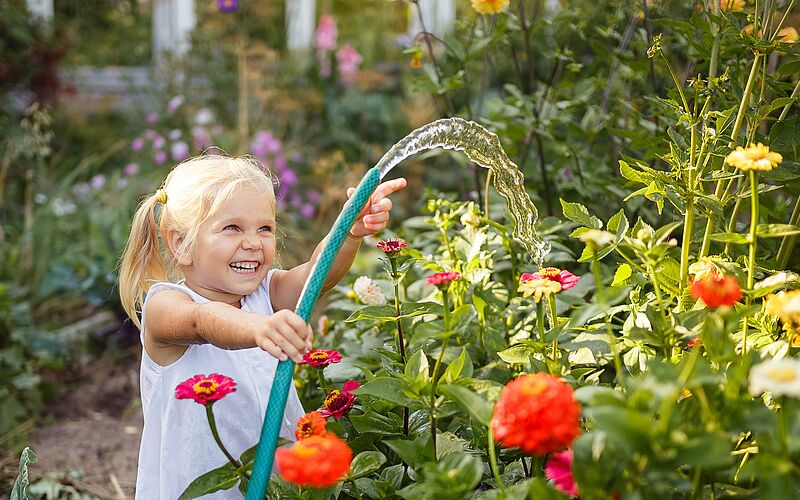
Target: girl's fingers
[(268, 345)]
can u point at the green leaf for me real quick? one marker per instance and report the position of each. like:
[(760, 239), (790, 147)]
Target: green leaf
[(776, 230), (520, 354), (621, 276), (366, 463), (476, 405), (20, 489), (735, 238), (414, 453), (627, 427), (386, 313), (371, 421), (388, 388), (219, 479), (459, 367), (618, 224), (579, 214), (629, 173), (417, 366)]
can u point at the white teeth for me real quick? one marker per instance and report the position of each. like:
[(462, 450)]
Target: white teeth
[(244, 266)]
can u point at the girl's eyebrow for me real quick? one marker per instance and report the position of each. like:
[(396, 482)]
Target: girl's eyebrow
[(239, 220)]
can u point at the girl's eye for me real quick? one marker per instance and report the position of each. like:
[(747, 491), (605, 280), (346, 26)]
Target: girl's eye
[(267, 229), (231, 227)]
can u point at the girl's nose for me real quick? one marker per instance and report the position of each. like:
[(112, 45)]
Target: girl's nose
[(251, 242)]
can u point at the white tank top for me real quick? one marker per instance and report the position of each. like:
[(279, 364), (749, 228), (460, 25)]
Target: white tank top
[(177, 444)]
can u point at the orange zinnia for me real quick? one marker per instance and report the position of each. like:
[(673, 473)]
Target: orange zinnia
[(537, 413), (317, 461), (717, 290), (310, 424)]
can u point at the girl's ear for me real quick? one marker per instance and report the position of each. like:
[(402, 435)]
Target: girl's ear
[(174, 240)]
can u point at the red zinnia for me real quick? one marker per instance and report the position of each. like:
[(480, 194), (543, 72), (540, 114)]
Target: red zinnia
[(443, 279), (693, 342), (310, 424), (205, 389), (321, 357), (392, 246), (338, 403), (317, 461), (559, 470), (537, 413), (717, 290), (563, 277)]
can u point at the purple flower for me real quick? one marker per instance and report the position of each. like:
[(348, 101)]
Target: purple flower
[(158, 142), (307, 210), (175, 103), (175, 134), (160, 158), (265, 143), (150, 134), (131, 169), (227, 5), (137, 144), (180, 150), (98, 181), (326, 33), (122, 183), (204, 116), (288, 177), (313, 196), (152, 117)]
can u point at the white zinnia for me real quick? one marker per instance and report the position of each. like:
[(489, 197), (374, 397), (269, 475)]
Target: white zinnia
[(368, 292), (596, 237), (780, 377)]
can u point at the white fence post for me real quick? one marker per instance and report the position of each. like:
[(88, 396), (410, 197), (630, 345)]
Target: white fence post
[(438, 15), (300, 16), (173, 21)]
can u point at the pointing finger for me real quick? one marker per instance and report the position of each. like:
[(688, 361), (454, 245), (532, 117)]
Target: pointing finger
[(388, 187)]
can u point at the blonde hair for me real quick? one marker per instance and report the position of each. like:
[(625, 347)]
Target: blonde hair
[(195, 190)]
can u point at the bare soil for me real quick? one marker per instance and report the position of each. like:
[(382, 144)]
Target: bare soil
[(90, 438)]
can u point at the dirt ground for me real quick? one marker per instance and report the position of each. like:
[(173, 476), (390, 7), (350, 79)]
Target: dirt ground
[(90, 438)]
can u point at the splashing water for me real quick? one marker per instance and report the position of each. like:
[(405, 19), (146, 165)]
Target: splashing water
[(482, 147)]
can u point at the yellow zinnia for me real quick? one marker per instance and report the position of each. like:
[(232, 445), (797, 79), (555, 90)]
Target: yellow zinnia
[(539, 287), (788, 35), (732, 5), (754, 157), (489, 6), (786, 307)]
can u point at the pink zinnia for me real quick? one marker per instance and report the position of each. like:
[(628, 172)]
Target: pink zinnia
[(338, 403), (205, 389), (321, 357), (559, 470), (565, 278), (326, 33), (348, 60), (442, 279), (392, 246)]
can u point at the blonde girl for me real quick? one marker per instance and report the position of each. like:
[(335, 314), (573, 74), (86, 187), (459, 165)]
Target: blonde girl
[(196, 277)]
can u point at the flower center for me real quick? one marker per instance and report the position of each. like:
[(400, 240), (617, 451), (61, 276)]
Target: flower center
[(318, 356), (782, 375), (304, 451), (205, 386), (534, 387), (333, 398), (549, 272)]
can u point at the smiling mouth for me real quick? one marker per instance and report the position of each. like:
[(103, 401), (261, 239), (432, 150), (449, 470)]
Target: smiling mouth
[(245, 267)]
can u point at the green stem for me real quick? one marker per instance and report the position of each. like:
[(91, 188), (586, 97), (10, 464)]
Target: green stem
[(540, 319), (697, 491), (787, 245), (737, 126), (493, 462), (551, 301), (795, 93), (782, 429), (612, 339), (732, 222), (321, 378), (753, 243), (401, 344), (213, 424), (598, 278), (435, 379)]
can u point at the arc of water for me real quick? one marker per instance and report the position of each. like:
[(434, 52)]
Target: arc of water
[(480, 146)]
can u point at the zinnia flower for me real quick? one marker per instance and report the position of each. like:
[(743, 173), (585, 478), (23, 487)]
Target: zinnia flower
[(227, 5), (338, 403), (564, 278), (693, 342), (785, 306), (368, 292), (392, 246), (489, 6), (539, 287), (348, 60), (443, 279), (537, 413), (754, 157), (317, 461), (310, 424), (788, 35), (321, 357), (205, 390), (325, 37), (706, 266), (596, 237), (717, 290), (732, 5), (780, 377), (559, 470)]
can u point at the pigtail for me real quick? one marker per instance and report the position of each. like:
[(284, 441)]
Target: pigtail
[(142, 262)]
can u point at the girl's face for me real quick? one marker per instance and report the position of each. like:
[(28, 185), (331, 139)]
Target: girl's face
[(234, 249)]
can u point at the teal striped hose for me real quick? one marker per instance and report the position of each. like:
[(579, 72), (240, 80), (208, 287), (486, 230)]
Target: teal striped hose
[(265, 454)]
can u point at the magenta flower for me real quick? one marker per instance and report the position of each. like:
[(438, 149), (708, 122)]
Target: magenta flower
[(565, 278), (137, 144), (392, 246), (338, 403), (180, 150), (227, 5), (160, 158), (559, 470), (326, 33), (321, 357), (443, 279), (348, 60), (152, 117), (131, 169), (205, 390)]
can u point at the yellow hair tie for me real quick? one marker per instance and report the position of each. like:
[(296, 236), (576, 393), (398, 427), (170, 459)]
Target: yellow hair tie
[(161, 196)]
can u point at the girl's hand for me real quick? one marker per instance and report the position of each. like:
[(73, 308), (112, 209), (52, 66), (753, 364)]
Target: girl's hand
[(284, 335), (375, 215)]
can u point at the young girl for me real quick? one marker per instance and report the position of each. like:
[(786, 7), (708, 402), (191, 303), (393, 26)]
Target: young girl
[(197, 267)]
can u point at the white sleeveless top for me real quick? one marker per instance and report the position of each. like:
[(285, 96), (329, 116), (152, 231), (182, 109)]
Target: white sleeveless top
[(177, 444)]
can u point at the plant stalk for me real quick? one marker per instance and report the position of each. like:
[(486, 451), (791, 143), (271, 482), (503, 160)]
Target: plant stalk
[(435, 379), (213, 424), (493, 461)]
